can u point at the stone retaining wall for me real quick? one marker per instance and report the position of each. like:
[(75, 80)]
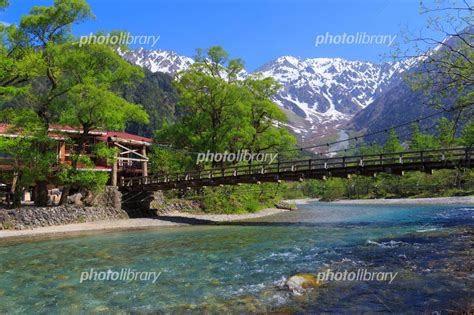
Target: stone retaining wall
[(31, 217), (162, 205), (89, 208)]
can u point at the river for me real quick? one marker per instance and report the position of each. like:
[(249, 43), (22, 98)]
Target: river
[(240, 268)]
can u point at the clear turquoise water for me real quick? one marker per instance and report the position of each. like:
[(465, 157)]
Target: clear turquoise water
[(240, 268)]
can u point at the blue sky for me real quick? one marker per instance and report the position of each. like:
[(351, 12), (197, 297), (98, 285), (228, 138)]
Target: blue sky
[(255, 30)]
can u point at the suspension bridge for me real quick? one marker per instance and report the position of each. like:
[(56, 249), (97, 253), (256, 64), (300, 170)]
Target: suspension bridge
[(298, 170)]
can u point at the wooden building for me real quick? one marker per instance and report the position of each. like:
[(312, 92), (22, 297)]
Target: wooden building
[(131, 159)]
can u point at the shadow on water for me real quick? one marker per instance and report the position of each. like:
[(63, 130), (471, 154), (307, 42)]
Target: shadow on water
[(184, 220), (244, 223)]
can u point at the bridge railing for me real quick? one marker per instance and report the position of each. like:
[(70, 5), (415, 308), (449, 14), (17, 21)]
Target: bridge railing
[(449, 155)]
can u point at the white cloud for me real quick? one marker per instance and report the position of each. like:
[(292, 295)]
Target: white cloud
[(5, 23)]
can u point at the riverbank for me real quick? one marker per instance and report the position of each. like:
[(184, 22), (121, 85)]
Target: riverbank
[(427, 201), (176, 218), (171, 219), (226, 217)]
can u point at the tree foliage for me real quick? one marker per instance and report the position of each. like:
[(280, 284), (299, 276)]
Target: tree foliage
[(446, 51), (45, 71), (22, 151), (420, 140), (224, 112), (156, 93), (393, 143)]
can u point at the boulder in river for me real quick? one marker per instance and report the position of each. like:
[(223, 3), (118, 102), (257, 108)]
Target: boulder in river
[(301, 282)]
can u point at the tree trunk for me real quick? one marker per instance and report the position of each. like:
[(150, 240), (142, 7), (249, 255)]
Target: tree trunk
[(41, 196), (16, 199), (14, 192), (41, 186), (64, 195)]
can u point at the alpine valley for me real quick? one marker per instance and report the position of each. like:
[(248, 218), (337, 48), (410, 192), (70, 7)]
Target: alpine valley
[(321, 96)]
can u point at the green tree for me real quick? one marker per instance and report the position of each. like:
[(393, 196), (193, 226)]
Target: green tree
[(421, 141), (28, 164), (74, 84), (467, 138), (165, 161), (446, 131), (91, 102), (446, 47), (158, 96), (19, 62), (221, 112), (393, 143), (44, 32), (373, 148), (263, 115), (214, 115)]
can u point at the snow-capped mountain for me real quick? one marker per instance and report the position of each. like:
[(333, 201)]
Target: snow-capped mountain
[(402, 103), (163, 61), (157, 60), (319, 95), (327, 92)]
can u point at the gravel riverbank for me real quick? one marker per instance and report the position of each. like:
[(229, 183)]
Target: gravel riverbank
[(173, 218), (437, 200), (176, 218)]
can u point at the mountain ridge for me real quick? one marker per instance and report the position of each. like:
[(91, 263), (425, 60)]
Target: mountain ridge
[(319, 95)]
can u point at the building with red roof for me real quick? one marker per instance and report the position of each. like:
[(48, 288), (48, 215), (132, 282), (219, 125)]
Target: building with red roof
[(131, 158)]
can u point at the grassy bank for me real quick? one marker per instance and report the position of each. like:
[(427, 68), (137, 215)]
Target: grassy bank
[(442, 183), (252, 198)]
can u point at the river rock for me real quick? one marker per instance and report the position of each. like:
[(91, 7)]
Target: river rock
[(109, 197), (75, 199), (300, 283), (163, 206), (285, 206)]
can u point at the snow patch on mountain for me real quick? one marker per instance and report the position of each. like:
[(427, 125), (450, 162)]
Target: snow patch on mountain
[(320, 94), (327, 92), (157, 60)]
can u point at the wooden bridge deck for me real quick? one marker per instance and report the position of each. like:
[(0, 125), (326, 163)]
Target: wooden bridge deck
[(321, 168)]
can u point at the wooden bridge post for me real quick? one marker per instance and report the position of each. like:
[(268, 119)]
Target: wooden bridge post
[(144, 163), (114, 171), (468, 156)]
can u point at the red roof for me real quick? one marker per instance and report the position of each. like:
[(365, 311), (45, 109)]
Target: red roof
[(102, 135), (123, 135), (4, 130), (66, 128), (55, 128)]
